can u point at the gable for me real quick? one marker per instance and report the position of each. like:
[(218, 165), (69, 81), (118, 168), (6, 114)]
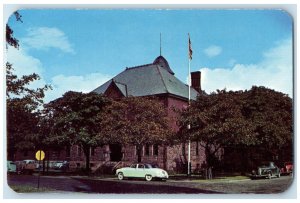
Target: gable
[(113, 91)]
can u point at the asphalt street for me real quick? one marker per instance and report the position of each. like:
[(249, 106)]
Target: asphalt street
[(185, 186)]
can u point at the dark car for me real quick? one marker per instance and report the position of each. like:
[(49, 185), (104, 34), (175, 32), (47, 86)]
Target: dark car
[(11, 167), (287, 168), (266, 170)]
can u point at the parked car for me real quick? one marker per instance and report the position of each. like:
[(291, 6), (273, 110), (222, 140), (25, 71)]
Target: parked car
[(26, 166), (11, 167), (142, 170), (266, 170), (287, 168), (61, 165)]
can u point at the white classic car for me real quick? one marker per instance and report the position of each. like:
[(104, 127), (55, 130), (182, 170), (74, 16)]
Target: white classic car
[(142, 170)]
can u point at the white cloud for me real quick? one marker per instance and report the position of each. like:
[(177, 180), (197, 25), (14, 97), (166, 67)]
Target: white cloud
[(85, 84), (232, 62), (25, 64), (44, 38), (275, 71), (213, 51)]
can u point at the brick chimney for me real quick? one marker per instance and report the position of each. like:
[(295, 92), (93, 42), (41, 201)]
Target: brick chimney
[(196, 80)]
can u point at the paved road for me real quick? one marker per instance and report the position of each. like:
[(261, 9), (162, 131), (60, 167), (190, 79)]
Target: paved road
[(112, 185)]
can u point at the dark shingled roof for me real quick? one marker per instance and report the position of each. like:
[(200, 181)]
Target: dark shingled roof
[(149, 79)]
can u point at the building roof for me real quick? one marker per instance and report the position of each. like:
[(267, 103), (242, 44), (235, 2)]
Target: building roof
[(150, 79), (161, 61)]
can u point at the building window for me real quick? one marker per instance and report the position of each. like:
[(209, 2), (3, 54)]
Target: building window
[(92, 151), (155, 149), (68, 151), (79, 150), (147, 150), (197, 148)]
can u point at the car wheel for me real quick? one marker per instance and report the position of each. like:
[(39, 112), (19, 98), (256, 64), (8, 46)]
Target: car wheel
[(120, 176), (269, 175), (148, 177)]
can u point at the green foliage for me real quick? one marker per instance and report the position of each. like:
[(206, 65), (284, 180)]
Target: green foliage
[(270, 114), (22, 104), (74, 119), (259, 118), (10, 39), (136, 121), (18, 88)]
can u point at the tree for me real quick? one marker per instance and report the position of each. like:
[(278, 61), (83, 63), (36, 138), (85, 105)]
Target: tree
[(10, 39), (215, 121), (75, 119), (259, 118), (136, 121), (270, 113), (22, 103)]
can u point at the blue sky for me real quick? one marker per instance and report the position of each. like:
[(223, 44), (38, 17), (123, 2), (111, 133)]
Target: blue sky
[(81, 49)]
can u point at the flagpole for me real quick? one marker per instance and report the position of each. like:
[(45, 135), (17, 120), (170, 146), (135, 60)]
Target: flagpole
[(189, 81), (189, 144)]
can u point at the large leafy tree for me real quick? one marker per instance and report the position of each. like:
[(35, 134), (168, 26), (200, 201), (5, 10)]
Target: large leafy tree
[(23, 104), (259, 119), (215, 121), (270, 114), (136, 121), (75, 120)]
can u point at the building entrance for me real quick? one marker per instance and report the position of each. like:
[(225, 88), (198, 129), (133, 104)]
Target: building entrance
[(115, 152)]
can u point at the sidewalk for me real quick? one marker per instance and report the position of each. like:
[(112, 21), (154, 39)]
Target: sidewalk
[(200, 179)]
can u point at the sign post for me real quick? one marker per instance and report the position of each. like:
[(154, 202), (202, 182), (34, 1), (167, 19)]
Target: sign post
[(39, 155)]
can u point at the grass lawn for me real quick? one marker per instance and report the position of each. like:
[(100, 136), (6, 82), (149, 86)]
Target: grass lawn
[(29, 189), (197, 178)]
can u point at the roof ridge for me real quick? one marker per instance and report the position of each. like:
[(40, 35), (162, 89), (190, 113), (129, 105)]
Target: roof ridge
[(133, 67), (162, 78)]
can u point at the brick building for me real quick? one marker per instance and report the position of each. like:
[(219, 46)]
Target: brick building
[(154, 79)]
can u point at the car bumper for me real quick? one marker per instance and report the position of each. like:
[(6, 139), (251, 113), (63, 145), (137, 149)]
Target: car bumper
[(258, 176), (162, 176)]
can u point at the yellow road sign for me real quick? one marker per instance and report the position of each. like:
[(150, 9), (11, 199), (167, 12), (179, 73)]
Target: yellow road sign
[(40, 155)]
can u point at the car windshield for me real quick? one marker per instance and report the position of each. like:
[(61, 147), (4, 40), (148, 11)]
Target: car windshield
[(133, 166), (150, 166), (266, 164)]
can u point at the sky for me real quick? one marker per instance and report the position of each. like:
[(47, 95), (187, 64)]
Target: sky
[(80, 49)]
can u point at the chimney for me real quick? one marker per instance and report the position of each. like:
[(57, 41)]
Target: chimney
[(196, 80)]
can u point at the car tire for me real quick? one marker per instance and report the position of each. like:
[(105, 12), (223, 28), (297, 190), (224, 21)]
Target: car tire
[(120, 176), (148, 177), (270, 175)]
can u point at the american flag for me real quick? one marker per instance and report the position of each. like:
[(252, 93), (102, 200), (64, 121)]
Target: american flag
[(190, 48)]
